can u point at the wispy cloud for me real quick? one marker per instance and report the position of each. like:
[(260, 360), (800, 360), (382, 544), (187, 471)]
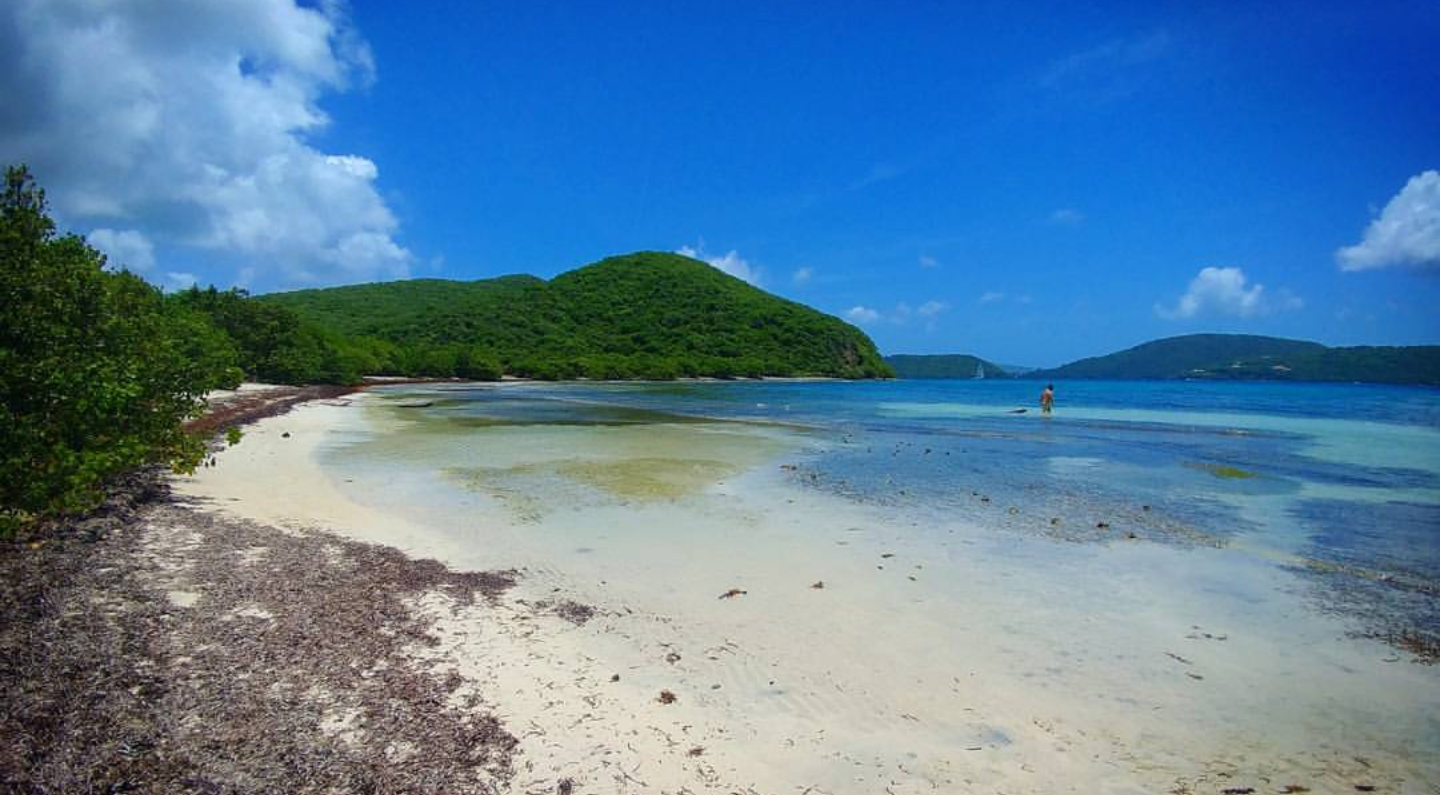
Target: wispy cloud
[(996, 297), (1225, 292), (1105, 59), (730, 262), (878, 173), (180, 281), (802, 275), (1407, 232), (928, 262), (863, 315), (1066, 216)]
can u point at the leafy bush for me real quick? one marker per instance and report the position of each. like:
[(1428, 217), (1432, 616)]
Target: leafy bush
[(96, 372)]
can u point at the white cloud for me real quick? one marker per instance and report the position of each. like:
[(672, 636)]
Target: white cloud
[(1224, 291), (802, 275), (125, 248), (191, 123), (863, 315), (927, 261), (1117, 55), (1406, 233), (991, 296), (730, 262), (903, 314), (1067, 216)]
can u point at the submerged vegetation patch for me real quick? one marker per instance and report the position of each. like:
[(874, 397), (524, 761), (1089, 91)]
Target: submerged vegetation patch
[(1223, 471), (655, 478)]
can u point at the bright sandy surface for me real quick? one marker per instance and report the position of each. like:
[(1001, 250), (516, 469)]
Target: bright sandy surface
[(976, 664)]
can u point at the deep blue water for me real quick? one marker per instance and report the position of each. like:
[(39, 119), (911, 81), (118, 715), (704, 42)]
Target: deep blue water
[(1339, 481)]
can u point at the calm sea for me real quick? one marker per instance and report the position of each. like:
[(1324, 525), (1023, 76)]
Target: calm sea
[(1339, 482)]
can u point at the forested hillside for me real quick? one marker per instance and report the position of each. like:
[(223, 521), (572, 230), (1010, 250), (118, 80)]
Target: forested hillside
[(643, 315), (945, 365)]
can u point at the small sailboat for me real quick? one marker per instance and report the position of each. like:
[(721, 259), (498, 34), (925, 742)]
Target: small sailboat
[(979, 370)]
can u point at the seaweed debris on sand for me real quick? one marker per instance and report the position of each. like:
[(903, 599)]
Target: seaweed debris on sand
[(154, 647)]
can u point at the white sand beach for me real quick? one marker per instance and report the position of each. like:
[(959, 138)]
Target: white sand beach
[(862, 655)]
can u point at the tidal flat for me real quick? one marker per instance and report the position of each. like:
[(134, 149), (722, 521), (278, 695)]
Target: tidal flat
[(900, 607)]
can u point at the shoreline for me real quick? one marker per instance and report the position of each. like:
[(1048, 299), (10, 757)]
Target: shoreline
[(574, 671)]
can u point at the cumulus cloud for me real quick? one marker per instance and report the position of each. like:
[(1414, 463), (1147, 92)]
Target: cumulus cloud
[(902, 314), (191, 123), (991, 296), (1407, 232), (802, 275), (731, 262), (863, 315), (125, 248), (1224, 291)]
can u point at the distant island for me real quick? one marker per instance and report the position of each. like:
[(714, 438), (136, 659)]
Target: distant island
[(1241, 357), (945, 365), (648, 315), (1216, 357)]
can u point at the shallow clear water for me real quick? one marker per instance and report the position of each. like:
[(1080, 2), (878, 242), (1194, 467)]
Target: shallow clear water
[(1338, 482)]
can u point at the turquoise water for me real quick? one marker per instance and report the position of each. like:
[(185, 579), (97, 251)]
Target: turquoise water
[(1339, 483)]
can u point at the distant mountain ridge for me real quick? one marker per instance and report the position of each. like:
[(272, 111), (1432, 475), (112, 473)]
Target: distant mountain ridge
[(642, 315), (1238, 357), (945, 365)]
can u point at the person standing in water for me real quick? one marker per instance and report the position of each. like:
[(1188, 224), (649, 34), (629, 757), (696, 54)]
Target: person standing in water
[(1047, 399)]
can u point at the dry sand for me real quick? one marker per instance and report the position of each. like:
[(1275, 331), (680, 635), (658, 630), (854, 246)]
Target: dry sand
[(903, 674)]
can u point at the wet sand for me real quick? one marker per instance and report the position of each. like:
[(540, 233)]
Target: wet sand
[(975, 663)]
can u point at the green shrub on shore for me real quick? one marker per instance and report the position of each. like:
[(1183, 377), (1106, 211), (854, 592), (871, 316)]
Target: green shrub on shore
[(97, 372)]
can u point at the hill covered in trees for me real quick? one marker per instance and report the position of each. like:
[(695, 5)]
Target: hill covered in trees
[(642, 315), (1246, 357), (945, 365)]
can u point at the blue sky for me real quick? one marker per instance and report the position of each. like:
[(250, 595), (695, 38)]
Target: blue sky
[(1029, 182)]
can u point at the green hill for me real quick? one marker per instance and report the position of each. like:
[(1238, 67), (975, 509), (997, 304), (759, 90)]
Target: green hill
[(645, 315), (947, 365), (1245, 357)]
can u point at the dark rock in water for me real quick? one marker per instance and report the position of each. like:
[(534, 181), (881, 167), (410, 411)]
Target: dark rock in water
[(285, 435), (414, 404), (1017, 411)]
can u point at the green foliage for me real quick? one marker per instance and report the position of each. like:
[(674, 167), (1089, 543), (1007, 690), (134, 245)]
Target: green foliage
[(1244, 357), (647, 315), (947, 365), (96, 371), (271, 342)]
